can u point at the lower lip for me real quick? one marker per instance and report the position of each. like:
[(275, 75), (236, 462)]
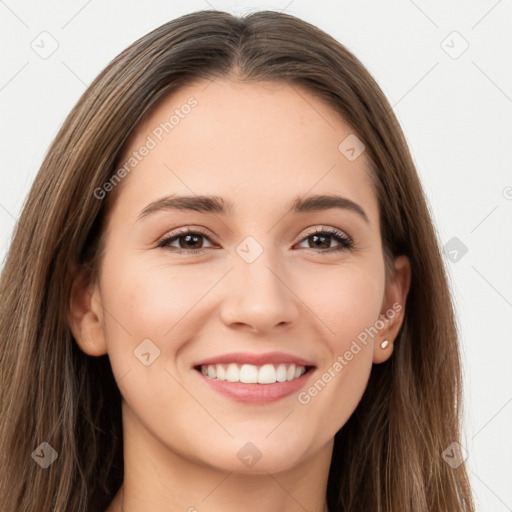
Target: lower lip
[(257, 393)]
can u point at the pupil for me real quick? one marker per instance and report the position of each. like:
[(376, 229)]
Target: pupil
[(188, 238), (316, 237)]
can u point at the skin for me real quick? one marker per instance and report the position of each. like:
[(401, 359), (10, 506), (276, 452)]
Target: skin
[(259, 146)]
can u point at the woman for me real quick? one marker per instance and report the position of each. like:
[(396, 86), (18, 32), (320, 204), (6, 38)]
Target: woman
[(265, 368)]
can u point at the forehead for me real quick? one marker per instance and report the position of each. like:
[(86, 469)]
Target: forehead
[(253, 143)]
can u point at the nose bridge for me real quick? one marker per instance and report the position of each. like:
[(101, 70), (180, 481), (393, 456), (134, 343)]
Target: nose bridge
[(258, 295), (256, 267)]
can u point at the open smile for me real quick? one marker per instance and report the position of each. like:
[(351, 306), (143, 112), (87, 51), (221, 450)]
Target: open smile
[(255, 378)]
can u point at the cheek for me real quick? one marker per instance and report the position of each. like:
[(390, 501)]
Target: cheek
[(148, 299), (146, 322), (348, 302), (350, 307), (345, 299)]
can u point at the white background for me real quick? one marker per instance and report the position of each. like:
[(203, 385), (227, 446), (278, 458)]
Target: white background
[(456, 114)]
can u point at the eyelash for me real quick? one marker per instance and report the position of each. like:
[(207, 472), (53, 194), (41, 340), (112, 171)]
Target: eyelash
[(345, 241)]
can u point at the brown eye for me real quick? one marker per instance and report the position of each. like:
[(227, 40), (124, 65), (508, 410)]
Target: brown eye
[(321, 239), (188, 241)]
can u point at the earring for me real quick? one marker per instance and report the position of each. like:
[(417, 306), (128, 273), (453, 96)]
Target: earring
[(384, 344)]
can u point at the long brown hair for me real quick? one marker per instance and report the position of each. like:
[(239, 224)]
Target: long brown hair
[(388, 456)]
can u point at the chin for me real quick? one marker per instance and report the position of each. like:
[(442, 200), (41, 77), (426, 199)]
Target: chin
[(257, 456)]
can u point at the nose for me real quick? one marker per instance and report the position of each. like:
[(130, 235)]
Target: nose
[(259, 296)]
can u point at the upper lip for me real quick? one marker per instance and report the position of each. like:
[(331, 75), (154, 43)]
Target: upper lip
[(255, 359)]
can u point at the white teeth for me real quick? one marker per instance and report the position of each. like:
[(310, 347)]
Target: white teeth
[(267, 374), (233, 373), (251, 374), (221, 373), (281, 373)]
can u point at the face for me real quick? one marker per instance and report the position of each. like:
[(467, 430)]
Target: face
[(251, 289)]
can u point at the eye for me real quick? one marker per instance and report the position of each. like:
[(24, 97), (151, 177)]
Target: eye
[(189, 244), (320, 235), (188, 240)]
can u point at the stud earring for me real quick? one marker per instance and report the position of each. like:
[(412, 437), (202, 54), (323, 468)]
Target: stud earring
[(384, 344)]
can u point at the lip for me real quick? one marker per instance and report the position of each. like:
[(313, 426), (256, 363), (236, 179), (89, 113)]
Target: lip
[(256, 359), (256, 393)]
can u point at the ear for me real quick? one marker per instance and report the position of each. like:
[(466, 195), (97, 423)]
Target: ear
[(393, 308), (86, 314)]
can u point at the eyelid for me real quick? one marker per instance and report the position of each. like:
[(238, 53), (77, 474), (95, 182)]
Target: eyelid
[(185, 230), (308, 231), (318, 228)]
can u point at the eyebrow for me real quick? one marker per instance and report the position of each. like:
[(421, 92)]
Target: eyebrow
[(217, 205)]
